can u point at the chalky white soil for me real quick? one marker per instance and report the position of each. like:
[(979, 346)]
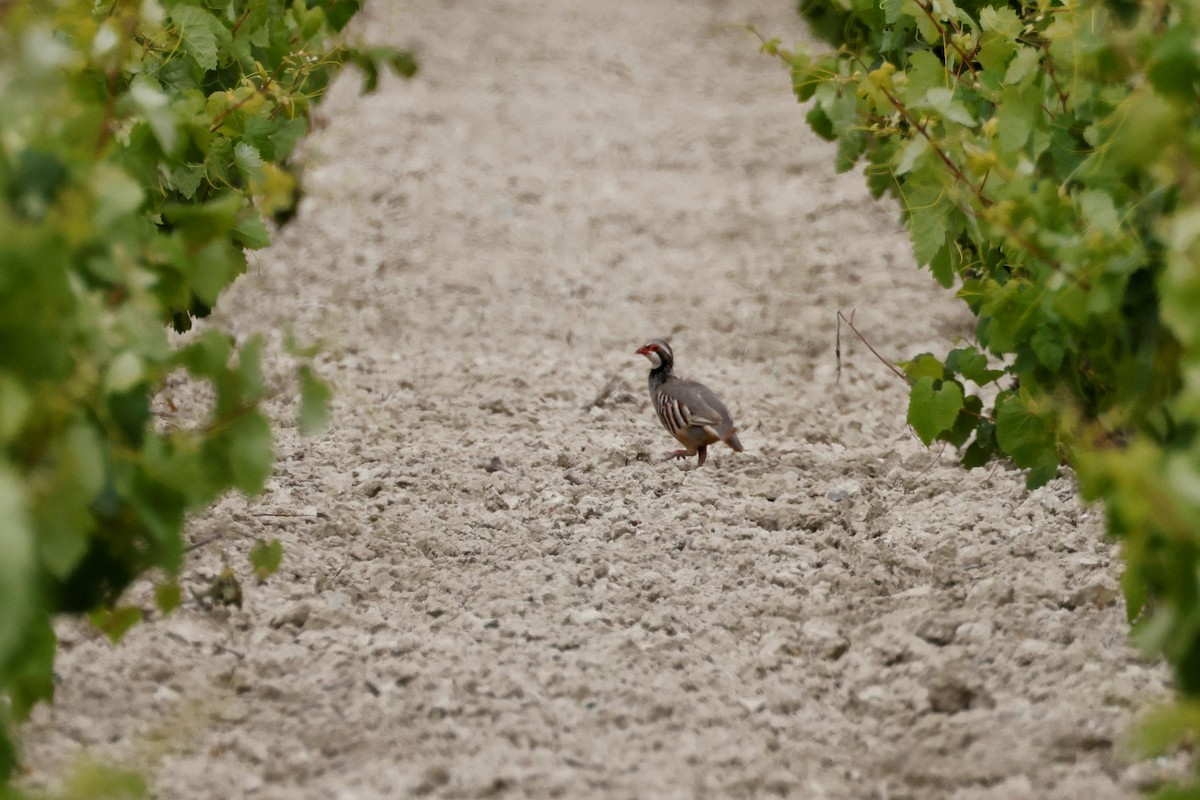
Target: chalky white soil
[(832, 613)]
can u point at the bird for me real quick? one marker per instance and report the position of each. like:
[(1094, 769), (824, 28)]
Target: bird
[(689, 410)]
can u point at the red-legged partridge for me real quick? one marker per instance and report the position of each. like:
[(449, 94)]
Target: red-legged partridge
[(689, 410)]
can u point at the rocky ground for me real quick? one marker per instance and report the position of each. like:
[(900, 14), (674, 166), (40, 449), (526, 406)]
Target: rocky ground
[(493, 586)]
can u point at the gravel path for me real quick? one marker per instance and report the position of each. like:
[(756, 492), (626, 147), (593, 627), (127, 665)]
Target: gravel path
[(492, 586)]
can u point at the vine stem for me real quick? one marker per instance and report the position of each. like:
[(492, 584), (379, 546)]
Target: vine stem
[(838, 347), (949, 39), (219, 120)]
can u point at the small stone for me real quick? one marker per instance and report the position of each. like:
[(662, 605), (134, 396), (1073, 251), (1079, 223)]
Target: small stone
[(1029, 651), (432, 779), (843, 492), (293, 615), (753, 704), (495, 465), (1101, 592), (950, 694), (980, 632), (165, 694), (938, 631), (826, 638)]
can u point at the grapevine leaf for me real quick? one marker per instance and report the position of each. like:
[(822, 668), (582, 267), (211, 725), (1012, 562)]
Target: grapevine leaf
[(942, 266), (1175, 65), (1098, 209), (983, 447), (339, 12), (925, 72), (315, 396), (1027, 437), (250, 231), (1015, 117), (928, 228), (1003, 21), (265, 557), (972, 365), (186, 179), (933, 406), (1023, 65), (30, 675), (248, 160), (1048, 346), (115, 622), (820, 123), (916, 147), (117, 194), (924, 365), (941, 101), (168, 596), (250, 451), (18, 588), (966, 423), (199, 31)]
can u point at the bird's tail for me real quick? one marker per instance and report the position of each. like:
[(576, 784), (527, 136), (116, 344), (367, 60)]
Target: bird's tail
[(731, 439)]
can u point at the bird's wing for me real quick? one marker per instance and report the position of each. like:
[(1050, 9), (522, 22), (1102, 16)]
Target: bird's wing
[(699, 405)]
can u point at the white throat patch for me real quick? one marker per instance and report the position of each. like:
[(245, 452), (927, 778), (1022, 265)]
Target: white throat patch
[(655, 359)]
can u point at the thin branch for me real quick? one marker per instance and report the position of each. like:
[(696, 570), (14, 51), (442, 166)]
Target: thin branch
[(1062, 96), (850, 322), (237, 25), (945, 38)]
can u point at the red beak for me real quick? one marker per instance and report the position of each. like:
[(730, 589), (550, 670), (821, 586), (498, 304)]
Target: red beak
[(641, 351)]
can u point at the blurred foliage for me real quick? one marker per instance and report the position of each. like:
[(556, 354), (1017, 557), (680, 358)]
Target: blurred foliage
[(143, 146), (1046, 155), (89, 781)]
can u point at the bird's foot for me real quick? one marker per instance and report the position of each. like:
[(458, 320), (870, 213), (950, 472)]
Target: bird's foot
[(679, 454)]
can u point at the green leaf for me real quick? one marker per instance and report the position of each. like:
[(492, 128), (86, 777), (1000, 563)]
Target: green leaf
[(1167, 727), (1098, 209), (198, 29), (926, 365), (1016, 115), (248, 160), (168, 596), (117, 194), (928, 227), (1003, 21), (29, 675), (155, 107), (1175, 65), (1048, 346), (249, 445), (15, 407), (315, 396), (115, 622), (925, 72), (913, 150), (941, 101), (265, 557), (19, 592), (972, 365), (205, 222), (933, 406), (1027, 437), (942, 265), (1026, 61), (186, 179), (250, 231)]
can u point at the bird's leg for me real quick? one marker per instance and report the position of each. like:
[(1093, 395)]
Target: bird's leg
[(703, 450), (679, 454)]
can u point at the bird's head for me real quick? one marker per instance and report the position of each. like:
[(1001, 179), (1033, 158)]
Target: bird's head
[(658, 352)]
